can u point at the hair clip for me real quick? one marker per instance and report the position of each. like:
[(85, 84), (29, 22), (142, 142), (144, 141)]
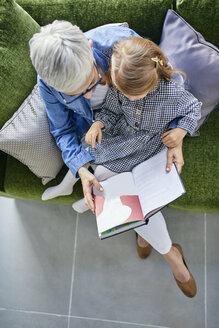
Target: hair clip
[(157, 60)]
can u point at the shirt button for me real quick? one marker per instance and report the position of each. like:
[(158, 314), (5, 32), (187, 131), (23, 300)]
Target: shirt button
[(136, 124), (138, 111), (64, 100)]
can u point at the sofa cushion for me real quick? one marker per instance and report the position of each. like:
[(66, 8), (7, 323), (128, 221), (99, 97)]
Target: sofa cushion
[(18, 76), (145, 17), (203, 15), (26, 137), (188, 51)]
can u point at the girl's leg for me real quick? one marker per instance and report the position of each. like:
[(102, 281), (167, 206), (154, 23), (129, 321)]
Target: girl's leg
[(157, 235), (182, 275), (62, 189), (174, 258)]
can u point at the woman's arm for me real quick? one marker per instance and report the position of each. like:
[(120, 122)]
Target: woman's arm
[(88, 180), (64, 128), (175, 155)]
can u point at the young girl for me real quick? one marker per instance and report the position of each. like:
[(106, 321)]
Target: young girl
[(139, 108), (133, 126)]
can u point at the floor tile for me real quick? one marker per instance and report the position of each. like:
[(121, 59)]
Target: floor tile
[(112, 283), (112, 287), (212, 270), (14, 319), (37, 242)]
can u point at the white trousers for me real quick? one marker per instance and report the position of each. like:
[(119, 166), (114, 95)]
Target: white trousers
[(155, 232)]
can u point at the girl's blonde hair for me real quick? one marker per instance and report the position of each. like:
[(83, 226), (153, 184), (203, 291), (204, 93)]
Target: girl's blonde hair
[(137, 64)]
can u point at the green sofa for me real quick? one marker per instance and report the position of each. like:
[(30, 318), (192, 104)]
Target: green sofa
[(146, 17)]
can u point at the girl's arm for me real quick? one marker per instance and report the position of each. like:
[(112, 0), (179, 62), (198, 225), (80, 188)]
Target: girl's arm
[(188, 113), (106, 118), (173, 137), (94, 134), (111, 109)]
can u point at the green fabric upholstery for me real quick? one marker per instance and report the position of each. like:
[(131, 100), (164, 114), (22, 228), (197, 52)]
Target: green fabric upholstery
[(203, 15), (201, 170), (144, 16), (17, 74), (199, 174)]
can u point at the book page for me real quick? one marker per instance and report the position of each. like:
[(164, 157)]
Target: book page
[(156, 187), (117, 203)]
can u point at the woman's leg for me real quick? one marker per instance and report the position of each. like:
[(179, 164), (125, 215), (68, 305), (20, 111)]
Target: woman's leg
[(64, 188)]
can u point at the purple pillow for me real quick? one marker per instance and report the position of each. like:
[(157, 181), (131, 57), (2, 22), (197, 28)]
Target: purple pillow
[(188, 51)]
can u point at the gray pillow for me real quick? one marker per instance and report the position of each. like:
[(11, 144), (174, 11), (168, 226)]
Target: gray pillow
[(26, 137), (188, 51)]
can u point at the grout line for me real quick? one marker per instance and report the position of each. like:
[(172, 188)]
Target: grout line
[(120, 322), (73, 271), (205, 265), (83, 318), (34, 312)]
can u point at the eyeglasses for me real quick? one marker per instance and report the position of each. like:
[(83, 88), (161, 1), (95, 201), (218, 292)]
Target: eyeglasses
[(91, 88)]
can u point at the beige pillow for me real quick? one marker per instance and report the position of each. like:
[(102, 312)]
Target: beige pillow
[(26, 137)]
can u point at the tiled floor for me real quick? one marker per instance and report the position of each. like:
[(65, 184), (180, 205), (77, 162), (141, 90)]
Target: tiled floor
[(56, 273)]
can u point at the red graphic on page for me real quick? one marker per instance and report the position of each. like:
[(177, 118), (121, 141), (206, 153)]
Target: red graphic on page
[(129, 200), (98, 203), (133, 202)]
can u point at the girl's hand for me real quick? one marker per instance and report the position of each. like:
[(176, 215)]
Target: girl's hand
[(88, 180), (172, 138), (94, 133)]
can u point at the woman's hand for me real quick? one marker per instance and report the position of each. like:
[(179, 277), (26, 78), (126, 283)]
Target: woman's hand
[(88, 180), (175, 155), (94, 133), (173, 137)]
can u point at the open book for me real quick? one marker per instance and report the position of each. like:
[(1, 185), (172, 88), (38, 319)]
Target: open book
[(130, 198)]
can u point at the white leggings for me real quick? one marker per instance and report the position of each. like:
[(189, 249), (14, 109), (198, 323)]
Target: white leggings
[(155, 232)]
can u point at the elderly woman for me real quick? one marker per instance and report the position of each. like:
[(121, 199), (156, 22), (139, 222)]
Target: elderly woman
[(73, 79)]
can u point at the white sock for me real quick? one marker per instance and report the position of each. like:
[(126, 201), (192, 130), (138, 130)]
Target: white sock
[(64, 188), (80, 206)]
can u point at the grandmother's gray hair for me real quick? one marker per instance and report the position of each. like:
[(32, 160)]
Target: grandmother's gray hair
[(61, 55)]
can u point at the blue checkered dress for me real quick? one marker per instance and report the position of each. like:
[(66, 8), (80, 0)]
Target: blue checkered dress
[(133, 129)]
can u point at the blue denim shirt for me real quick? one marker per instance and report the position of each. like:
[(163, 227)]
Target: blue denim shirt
[(69, 121)]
